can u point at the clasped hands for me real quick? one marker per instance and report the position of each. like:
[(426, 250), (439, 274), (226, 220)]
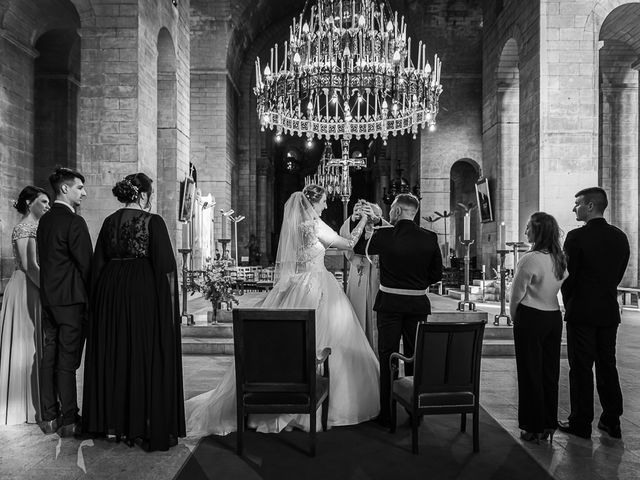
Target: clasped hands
[(362, 207)]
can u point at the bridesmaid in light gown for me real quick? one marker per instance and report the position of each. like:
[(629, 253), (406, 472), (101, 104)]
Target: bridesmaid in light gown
[(302, 281), (20, 317)]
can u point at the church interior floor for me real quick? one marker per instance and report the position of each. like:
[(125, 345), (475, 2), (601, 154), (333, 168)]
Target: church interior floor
[(27, 454)]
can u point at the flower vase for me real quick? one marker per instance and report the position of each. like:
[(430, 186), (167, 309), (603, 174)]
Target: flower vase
[(212, 317)]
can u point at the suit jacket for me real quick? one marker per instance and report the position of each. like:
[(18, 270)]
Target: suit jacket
[(65, 251), (409, 258), (597, 258)]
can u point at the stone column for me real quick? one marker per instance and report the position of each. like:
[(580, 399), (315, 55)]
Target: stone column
[(508, 204), (262, 205), (620, 120)]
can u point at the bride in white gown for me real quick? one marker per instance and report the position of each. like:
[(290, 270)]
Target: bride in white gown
[(302, 281)]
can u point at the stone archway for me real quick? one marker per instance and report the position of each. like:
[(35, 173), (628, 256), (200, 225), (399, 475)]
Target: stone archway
[(618, 139), (463, 177), (56, 89)]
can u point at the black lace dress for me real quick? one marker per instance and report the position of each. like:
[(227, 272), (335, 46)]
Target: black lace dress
[(133, 364)]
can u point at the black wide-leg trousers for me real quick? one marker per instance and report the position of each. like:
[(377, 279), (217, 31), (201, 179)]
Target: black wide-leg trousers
[(64, 335), (537, 335)]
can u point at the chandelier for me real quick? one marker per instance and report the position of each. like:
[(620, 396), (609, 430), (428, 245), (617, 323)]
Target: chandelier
[(333, 173), (346, 71)]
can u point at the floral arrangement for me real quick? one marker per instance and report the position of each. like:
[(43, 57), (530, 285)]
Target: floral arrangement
[(214, 285)]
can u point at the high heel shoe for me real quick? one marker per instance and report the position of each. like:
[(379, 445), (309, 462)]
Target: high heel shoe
[(530, 437), (548, 433)]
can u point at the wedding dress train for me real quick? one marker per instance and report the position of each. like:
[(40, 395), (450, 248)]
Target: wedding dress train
[(354, 395)]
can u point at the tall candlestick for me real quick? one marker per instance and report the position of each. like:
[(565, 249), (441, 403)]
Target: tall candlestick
[(467, 227), (224, 234), (502, 237)]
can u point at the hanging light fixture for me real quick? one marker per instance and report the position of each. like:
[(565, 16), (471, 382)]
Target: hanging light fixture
[(347, 71), (329, 175)]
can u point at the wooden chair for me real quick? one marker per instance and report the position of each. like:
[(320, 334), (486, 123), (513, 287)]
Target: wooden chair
[(265, 279), (446, 375), (250, 284), (277, 366)]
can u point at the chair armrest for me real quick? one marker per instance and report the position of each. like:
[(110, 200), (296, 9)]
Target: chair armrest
[(399, 357), (323, 360), (324, 355)]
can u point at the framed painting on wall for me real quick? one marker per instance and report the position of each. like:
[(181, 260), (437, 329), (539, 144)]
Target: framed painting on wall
[(483, 197), (187, 197)]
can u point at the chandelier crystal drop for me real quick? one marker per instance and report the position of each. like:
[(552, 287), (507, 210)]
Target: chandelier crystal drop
[(347, 71)]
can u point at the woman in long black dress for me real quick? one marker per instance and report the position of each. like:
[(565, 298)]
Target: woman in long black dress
[(133, 365)]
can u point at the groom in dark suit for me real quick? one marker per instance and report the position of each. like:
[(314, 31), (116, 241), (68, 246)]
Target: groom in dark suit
[(65, 251), (597, 257), (410, 261)]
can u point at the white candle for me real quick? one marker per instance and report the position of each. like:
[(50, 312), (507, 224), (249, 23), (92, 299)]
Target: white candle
[(467, 227), (502, 237), (224, 232)]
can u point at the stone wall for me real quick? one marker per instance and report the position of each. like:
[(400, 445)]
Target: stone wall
[(454, 32), (580, 37), (510, 117), (110, 120), (212, 104), (118, 98), (23, 23)]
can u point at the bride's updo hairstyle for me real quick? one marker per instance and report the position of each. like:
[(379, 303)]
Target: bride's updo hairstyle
[(313, 192), (128, 189), (26, 197)]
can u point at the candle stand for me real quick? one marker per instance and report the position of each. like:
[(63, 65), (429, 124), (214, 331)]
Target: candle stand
[(223, 245), (466, 304), (188, 317), (503, 290), (515, 248)]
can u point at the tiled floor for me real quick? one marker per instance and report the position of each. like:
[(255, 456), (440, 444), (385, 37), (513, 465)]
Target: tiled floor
[(27, 454)]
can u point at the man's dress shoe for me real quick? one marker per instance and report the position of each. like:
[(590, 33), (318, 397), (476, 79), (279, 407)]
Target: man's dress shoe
[(71, 430), (49, 426), (613, 431), (566, 427)]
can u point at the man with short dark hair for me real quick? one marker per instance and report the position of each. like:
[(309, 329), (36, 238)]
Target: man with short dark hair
[(410, 261), (65, 251), (597, 256)]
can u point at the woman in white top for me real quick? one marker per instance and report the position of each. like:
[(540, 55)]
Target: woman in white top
[(537, 327)]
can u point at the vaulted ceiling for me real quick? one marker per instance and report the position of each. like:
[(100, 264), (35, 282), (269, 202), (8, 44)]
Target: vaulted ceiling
[(252, 18)]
